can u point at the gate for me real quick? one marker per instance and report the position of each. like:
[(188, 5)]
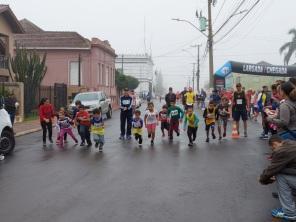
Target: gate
[(60, 95)]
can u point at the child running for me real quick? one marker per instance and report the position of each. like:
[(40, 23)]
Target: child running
[(175, 115), (192, 120), (83, 119), (64, 123), (137, 127), (151, 121), (97, 129), (210, 115), (222, 116), (163, 118), (62, 110)]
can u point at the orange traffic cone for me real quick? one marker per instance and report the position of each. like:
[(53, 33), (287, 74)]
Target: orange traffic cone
[(234, 132)]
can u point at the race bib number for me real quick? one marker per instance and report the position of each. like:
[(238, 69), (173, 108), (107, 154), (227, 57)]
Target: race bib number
[(126, 102), (137, 124), (239, 101), (174, 113)]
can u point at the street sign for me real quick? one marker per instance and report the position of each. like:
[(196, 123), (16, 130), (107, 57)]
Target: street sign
[(202, 24)]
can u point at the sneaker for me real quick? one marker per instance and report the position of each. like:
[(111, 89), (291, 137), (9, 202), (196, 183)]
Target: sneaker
[(2, 157), (76, 142), (224, 134), (121, 137), (220, 137), (89, 144), (44, 143), (101, 147), (264, 137), (152, 142), (214, 136), (82, 144), (178, 133), (207, 140), (190, 144), (280, 214), (245, 134), (96, 144), (193, 139), (50, 140), (128, 137), (170, 138)]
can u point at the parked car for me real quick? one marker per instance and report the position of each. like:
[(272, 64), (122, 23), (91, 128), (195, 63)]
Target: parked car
[(93, 100), (7, 141)]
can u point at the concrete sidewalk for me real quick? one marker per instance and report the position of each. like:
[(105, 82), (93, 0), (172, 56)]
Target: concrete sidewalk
[(26, 127)]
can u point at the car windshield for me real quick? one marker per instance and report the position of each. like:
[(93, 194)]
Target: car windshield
[(87, 97)]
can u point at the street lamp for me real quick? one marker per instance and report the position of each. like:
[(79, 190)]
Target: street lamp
[(209, 36)]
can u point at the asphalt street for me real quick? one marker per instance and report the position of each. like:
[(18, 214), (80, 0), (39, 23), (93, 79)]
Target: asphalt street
[(165, 183)]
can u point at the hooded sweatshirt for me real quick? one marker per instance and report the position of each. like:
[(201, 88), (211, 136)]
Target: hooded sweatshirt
[(283, 162), (287, 116)]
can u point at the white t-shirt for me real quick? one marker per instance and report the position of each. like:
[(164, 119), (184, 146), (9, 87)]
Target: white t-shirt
[(151, 117)]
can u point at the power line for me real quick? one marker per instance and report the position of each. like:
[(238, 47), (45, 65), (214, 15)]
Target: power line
[(219, 12), (227, 33), (230, 17)]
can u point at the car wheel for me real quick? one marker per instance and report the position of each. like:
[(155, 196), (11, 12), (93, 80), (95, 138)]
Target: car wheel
[(7, 142), (109, 113)]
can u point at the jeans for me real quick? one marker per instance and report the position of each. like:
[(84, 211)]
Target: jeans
[(286, 135), (84, 134), (12, 117), (285, 184), (46, 127), (99, 138), (191, 133), (126, 117)]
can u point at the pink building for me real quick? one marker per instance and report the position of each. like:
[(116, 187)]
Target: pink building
[(72, 59)]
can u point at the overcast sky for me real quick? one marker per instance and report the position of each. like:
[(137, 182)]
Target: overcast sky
[(257, 38)]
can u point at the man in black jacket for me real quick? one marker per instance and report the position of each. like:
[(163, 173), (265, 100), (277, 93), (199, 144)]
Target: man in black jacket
[(170, 97), (282, 170)]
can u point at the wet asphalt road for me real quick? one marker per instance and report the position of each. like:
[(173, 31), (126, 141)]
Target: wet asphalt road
[(166, 183)]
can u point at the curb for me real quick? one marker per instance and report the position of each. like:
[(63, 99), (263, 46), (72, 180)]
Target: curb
[(27, 132)]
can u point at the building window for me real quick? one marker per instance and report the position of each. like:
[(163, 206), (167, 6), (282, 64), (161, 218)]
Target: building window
[(107, 76), (74, 74), (99, 74)]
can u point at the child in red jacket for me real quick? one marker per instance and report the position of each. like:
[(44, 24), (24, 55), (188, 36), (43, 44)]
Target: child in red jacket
[(46, 113)]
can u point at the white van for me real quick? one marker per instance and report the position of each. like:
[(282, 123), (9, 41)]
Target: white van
[(7, 141)]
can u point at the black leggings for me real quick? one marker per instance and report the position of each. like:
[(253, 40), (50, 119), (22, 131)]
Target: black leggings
[(46, 127), (191, 133)]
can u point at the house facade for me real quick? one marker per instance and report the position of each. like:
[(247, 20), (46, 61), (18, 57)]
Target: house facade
[(9, 25), (72, 59), (140, 67)]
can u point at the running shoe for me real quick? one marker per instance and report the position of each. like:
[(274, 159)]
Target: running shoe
[(128, 137), (264, 137), (82, 144), (96, 144), (121, 137), (224, 134), (207, 140), (214, 136), (245, 134), (44, 143), (190, 144), (152, 142), (280, 214), (101, 147), (178, 133), (50, 140)]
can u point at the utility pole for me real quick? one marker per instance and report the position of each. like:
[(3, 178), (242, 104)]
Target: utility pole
[(210, 43), (198, 66), (193, 76)]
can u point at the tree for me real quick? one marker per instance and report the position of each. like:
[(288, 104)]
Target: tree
[(28, 67), (289, 47), (123, 81)]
